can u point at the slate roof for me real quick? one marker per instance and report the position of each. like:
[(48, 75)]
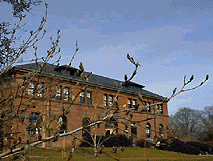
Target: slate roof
[(69, 73)]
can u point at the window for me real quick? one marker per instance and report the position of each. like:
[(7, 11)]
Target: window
[(89, 97), (133, 129), (66, 94), (161, 131), (144, 109), (126, 128), (115, 125), (31, 88), (82, 100), (33, 118), (105, 100), (40, 89), (160, 108), (59, 92), (110, 100), (134, 103), (147, 106), (148, 131), (34, 121), (86, 131), (62, 121), (131, 103), (112, 123), (116, 102), (111, 126)]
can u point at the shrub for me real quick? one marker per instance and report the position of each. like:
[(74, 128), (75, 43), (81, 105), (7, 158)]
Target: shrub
[(202, 147), (117, 141), (85, 144), (186, 147), (143, 143)]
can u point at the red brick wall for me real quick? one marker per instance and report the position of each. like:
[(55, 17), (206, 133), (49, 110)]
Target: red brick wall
[(49, 105)]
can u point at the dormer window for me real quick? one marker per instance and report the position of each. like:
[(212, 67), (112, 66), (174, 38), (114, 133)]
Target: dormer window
[(65, 69)]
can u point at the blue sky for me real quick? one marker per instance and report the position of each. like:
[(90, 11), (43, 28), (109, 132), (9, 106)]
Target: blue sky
[(170, 38)]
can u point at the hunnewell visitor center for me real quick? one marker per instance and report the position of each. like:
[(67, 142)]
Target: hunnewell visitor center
[(56, 98)]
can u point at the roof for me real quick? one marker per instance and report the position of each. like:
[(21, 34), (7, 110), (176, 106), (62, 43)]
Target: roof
[(67, 72)]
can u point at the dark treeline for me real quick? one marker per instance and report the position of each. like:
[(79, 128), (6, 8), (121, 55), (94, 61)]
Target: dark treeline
[(188, 124)]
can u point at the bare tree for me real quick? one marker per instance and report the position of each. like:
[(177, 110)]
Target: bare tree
[(107, 117), (22, 6), (10, 53), (207, 118), (207, 127), (186, 123), (9, 39), (11, 90)]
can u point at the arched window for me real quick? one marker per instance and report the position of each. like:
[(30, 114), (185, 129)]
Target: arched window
[(148, 131), (34, 124), (111, 126), (161, 131), (115, 123), (62, 121), (133, 129), (86, 131)]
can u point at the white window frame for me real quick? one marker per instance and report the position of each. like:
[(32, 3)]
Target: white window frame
[(58, 93), (66, 93)]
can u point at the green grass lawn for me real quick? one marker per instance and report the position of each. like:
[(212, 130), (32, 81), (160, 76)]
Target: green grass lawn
[(132, 153)]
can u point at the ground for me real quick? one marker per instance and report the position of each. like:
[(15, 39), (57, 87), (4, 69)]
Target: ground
[(131, 153)]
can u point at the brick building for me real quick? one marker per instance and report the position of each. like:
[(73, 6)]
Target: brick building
[(55, 89)]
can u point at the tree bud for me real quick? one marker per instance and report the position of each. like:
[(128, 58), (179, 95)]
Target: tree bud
[(128, 57), (125, 77), (174, 91), (192, 77)]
